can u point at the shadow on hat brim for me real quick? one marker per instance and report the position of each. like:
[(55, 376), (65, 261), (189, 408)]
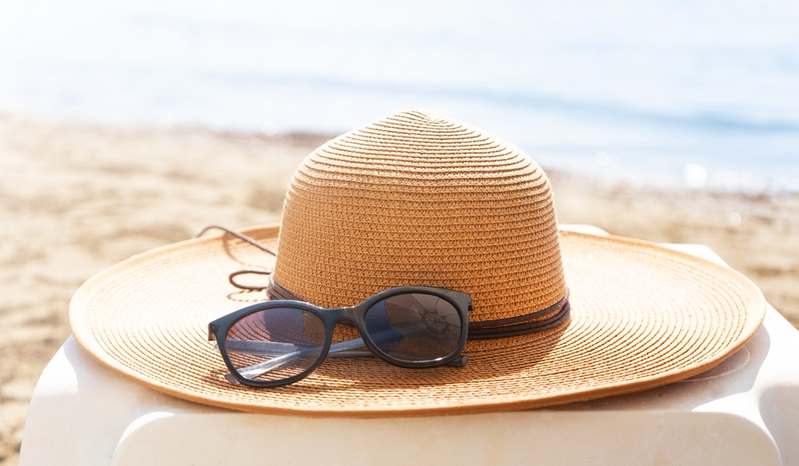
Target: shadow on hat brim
[(642, 316)]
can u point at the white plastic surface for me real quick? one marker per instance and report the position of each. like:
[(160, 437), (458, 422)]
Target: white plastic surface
[(744, 411)]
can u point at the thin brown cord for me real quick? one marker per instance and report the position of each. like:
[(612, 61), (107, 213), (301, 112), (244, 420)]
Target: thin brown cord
[(233, 282), (498, 328), (239, 236)]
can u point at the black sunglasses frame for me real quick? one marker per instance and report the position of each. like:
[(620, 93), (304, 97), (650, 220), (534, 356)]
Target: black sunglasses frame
[(218, 329)]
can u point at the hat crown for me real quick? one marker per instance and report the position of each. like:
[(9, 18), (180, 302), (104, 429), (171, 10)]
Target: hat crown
[(419, 198)]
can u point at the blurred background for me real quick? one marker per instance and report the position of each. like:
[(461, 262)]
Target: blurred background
[(129, 125), (621, 88)]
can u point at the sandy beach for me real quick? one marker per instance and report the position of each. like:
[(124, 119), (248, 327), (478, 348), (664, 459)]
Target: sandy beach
[(76, 198)]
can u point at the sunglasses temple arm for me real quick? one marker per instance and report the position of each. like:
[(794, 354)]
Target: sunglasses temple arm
[(345, 347), (354, 348), (457, 362)]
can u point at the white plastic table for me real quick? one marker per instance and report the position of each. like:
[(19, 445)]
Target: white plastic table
[(744, 411)]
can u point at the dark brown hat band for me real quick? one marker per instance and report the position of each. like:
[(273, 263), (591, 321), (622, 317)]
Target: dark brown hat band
[(500, 328)]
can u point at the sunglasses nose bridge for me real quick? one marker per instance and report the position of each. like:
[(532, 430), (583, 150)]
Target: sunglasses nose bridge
[(343, 316), (346, 317), (347, 314)]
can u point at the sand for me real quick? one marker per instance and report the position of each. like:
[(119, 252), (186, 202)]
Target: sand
[(76, 198)]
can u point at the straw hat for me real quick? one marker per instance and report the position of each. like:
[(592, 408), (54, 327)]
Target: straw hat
[(422, 199)]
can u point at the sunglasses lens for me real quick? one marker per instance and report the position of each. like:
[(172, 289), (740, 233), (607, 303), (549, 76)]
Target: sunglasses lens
[(414, 327), (276, 343)]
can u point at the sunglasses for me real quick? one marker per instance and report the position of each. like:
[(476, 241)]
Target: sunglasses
[(277, 343)]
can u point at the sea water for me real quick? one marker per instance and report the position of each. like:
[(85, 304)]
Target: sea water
[(704, 94)]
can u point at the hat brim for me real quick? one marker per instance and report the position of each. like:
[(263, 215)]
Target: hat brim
[(642, 316)]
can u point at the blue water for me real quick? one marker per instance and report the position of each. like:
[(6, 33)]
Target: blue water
[(704, 94)]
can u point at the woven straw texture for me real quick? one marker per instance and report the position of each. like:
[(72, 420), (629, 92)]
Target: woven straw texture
[(642, 316), (421, 199)]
